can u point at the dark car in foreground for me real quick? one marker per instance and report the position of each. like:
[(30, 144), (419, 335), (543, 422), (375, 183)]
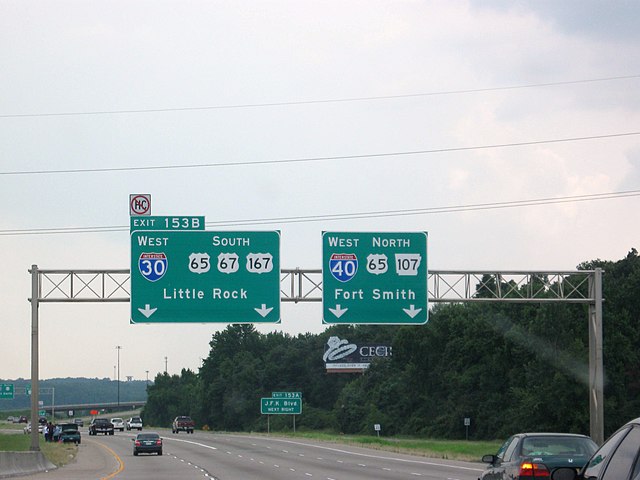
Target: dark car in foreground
[(617, 459), (100, 425), (147, 443), (536, 455), (69, 433)]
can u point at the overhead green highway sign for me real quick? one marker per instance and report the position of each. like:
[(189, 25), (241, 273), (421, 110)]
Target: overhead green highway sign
[(6, 391), (374, 278), (281, 406), (204, 276)]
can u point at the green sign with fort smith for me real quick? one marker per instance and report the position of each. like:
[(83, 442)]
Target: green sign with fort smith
[(374, 278), (205, 276)]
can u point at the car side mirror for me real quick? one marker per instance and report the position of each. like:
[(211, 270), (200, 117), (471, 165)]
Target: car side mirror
[(564, 474), (489, 459)]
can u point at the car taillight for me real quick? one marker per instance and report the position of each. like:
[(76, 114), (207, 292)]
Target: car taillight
[(533, 470), (159, 442), (137, 443)]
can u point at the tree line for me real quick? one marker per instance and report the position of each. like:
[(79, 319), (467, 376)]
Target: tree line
[(507, 367)]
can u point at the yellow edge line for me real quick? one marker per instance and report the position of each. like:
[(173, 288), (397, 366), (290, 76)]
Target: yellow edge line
[(118, 459)]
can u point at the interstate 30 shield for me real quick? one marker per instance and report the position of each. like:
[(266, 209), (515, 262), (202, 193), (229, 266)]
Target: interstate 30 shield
[(152, 266)]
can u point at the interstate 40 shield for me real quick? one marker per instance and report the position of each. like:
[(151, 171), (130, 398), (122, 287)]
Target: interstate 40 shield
[(374, 278)]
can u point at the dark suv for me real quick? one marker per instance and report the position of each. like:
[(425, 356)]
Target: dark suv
[(617, 459), (101, 425)]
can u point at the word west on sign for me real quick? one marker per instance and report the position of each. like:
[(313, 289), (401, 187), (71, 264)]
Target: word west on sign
[(374, 278)]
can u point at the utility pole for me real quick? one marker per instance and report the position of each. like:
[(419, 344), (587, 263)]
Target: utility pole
[(118, 347), (165, 364), (147, 371)]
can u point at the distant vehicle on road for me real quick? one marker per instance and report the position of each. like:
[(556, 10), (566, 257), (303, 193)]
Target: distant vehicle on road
[(118, 424), (134, 423), (27, 428), (183, 423), (79, 422), (533, 455), (147, 443), (100, 425), (69, 433)]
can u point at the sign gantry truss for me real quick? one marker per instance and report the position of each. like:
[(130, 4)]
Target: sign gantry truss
[(305, 285), (83, 285)]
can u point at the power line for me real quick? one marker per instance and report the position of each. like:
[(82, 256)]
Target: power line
[(434, 210), (352, 216), (321, 159), (312, 102)]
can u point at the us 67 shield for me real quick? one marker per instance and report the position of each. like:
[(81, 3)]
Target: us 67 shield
[(203, 276), (374, 278)]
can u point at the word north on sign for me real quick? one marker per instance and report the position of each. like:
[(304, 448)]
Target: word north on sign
[(374, 278), (198, 276)]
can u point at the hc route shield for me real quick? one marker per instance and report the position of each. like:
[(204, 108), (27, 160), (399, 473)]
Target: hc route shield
[(374, 278), (204, 276)]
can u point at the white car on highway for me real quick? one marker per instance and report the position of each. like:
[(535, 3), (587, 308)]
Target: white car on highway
[(134, 423), (118, 424), (27, 429)]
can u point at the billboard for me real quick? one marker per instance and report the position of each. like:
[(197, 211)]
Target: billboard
[(342, 356)]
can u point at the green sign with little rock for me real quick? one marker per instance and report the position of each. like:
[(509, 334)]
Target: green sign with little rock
[(374, 278), (205, 277)]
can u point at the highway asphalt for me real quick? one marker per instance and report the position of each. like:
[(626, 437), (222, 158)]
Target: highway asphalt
[(242, 457)]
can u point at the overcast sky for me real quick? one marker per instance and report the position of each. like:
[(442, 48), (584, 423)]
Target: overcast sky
[(357, 86)]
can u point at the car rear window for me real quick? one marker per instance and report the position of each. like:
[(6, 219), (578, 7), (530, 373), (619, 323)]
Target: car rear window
[(148, 436), (558, 446)]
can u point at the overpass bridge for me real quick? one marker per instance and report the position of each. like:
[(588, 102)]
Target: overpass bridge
[(111, 406)]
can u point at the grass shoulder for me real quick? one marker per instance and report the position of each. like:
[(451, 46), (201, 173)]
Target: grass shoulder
[(57, 453)]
